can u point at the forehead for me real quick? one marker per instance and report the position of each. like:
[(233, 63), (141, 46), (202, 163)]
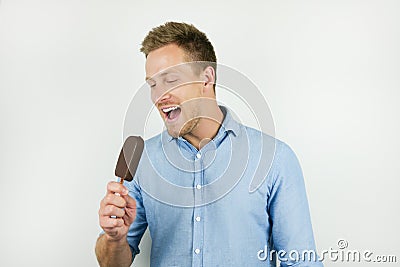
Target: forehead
[(164, 58)]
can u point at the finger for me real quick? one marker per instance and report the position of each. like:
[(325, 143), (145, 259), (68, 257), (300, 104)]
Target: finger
[(115, 187), (111, 210), (112, 199), (109, 224)]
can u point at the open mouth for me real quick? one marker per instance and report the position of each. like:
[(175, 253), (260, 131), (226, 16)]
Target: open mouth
[(171, 113)]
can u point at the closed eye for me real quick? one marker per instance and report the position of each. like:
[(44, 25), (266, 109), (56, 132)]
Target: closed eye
[(151, 84), (172, 81)]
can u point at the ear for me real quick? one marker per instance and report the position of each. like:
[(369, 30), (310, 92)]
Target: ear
[(209, 80)]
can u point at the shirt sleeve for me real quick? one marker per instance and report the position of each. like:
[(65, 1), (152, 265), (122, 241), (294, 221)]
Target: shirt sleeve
[(292, 234), (139, 225)]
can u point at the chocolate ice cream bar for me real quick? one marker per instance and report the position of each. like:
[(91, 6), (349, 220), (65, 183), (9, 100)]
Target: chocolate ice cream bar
[(129, 158)]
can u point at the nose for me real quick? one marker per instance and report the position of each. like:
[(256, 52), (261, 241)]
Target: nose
[(161, 96)]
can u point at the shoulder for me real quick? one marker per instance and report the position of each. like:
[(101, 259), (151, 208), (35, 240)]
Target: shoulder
[(283, 155), (153, 143), (256, 137)]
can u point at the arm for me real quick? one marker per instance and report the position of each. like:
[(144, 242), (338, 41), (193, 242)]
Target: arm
[(112, 248), (289, 212)]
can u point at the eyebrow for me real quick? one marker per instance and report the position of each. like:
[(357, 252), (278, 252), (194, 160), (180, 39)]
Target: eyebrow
[(161, 74)]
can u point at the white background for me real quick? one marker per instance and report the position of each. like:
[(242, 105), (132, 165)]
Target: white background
[(68, 70)]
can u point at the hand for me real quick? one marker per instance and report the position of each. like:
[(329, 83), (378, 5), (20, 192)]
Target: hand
[(122, 206)]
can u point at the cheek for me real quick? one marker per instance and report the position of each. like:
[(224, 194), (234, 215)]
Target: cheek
[(153, 96), (190, 92)]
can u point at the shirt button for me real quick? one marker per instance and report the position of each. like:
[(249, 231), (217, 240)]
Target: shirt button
[(198, 155), (197, 218), (197, 251), (198, 186)]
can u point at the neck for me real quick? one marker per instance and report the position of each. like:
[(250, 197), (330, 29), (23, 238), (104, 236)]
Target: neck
[(206, 129)]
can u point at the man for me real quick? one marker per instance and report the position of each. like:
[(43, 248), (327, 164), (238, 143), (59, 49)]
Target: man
[(209, 217)]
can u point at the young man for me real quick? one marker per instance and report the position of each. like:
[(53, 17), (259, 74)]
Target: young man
[(208, 217)]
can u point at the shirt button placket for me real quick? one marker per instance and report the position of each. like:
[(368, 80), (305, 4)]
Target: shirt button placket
[(198, 212)]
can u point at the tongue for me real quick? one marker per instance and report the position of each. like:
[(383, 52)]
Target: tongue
[(174, 113)]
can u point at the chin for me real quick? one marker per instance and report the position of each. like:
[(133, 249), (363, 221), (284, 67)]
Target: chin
[(172, 132)]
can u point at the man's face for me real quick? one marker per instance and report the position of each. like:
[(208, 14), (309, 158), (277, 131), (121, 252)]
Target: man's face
[(175, 89)]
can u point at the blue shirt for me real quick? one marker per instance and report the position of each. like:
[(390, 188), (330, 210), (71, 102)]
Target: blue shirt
[(229, 204)]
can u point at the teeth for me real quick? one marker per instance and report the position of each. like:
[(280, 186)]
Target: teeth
[(166, 110)]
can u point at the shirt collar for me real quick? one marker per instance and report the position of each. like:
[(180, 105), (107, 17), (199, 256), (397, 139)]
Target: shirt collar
[(229, 124)]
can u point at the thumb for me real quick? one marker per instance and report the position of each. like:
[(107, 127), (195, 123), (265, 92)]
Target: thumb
[(130, 201), (130, 210)]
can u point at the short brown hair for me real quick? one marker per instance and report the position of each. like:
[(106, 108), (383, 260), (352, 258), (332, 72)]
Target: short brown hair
[(194, 43)]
